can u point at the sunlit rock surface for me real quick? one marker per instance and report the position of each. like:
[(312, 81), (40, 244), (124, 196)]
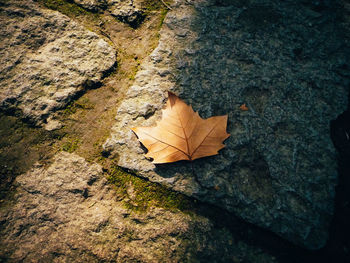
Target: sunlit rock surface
[(92, 5), (46, 59), (67, 212), (126, 11), (288, 62)]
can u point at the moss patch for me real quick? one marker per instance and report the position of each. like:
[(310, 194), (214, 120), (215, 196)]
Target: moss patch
[(154, 5), (68, 8), (70, 145), (139, 194), (82, 103), (88, 19), (151, 6), (162, 17)]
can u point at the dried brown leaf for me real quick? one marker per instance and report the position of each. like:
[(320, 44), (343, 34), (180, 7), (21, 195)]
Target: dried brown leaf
[(182, 134), (243, 107)]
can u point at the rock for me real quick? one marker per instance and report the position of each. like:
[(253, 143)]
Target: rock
[(46, 59), (286, 63), (52, 125), (92, 5), (68, 213), (127, 11)]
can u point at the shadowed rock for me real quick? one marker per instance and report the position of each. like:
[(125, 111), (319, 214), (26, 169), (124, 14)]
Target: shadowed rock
[(127, 11), (286, 62)]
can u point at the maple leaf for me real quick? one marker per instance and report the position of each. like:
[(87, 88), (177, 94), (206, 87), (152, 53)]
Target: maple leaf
[(182, 134)]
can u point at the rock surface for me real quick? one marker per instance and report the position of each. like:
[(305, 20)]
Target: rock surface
[(288, 63), (68, 213), (127, 11), (46, 59), (92, 5)]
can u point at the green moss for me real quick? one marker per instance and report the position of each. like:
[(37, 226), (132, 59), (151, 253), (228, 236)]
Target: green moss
[(146, 194), (70, 109), (151, 6), (82, 103), (154, 5), (68, 8), (133, 72), (162, 17), (70, 145)]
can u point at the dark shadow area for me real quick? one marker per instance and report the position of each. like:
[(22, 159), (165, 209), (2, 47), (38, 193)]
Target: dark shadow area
[(275, 55), (339, 242), (336, 249)]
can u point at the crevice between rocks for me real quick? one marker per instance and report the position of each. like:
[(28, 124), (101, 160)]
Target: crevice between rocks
[(253, 235), (339, 241)]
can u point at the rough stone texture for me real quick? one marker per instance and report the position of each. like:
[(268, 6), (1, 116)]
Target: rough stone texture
[(92, 5), (52, 124), (288, 63), (127, 11), (68, 213), (46, 59)]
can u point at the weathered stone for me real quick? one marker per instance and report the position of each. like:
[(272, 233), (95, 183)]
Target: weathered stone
[(127, 11), (52, 125), (92, 5), (288, 64), (46, 59), (68, 213)]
